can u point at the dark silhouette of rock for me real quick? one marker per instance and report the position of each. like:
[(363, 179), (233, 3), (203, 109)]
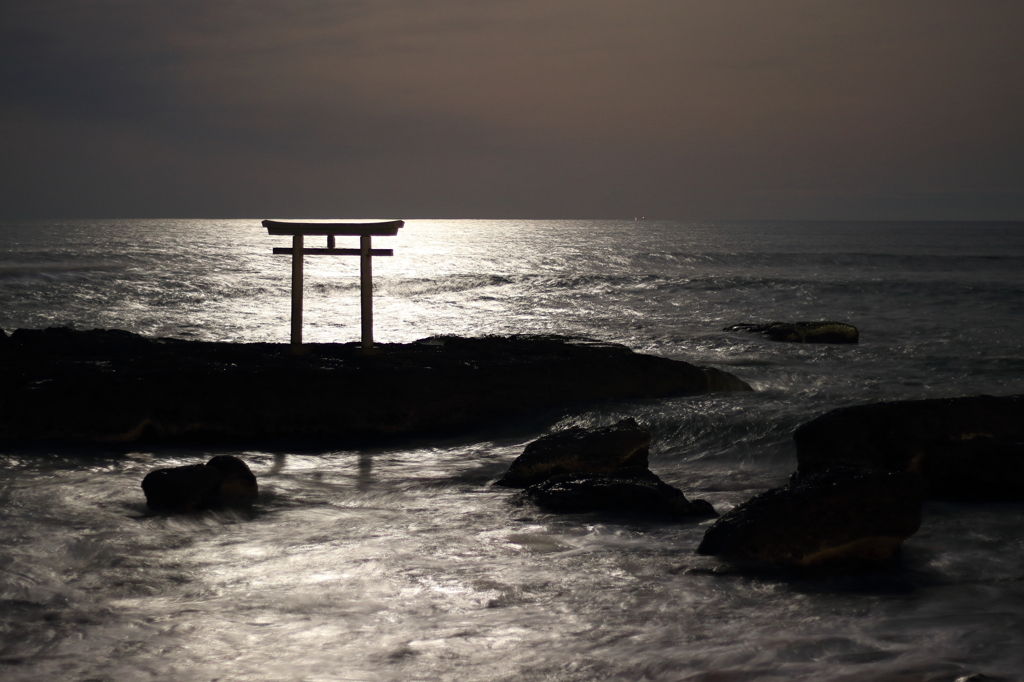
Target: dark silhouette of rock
[(965, 448), (826, 331), (723, 381), (979, 469), (102, 387), (578, 450), (224, 481), (840, 517), (634, 490)]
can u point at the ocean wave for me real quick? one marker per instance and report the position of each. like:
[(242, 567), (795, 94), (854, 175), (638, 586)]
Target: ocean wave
[(51, 270)]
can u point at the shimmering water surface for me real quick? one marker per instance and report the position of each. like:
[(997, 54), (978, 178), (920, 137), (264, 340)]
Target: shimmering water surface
[(405, 563)]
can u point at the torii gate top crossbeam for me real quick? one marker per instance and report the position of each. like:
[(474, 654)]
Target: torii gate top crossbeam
[(281, 227)]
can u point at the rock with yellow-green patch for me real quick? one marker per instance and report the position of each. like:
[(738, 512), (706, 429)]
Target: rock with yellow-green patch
[(825, 331), (838, 518), (579, 451)]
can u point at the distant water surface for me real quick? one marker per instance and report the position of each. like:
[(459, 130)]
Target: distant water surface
[(404, 563)]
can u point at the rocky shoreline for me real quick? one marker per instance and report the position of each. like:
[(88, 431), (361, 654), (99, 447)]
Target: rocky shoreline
[(112, 387)]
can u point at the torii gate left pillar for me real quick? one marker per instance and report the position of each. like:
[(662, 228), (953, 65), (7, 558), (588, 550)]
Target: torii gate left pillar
[(364, 231)]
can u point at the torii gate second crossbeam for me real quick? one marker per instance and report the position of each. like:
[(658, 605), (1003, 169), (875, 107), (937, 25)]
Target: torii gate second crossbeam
[(364, 231)]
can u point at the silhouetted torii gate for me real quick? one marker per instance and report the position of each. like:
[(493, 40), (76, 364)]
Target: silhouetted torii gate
[(364, 231)]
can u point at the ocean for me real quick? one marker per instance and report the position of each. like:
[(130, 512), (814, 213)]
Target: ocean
[(405, 563)]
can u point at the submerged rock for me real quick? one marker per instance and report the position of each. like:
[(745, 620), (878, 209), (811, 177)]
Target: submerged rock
[(634, 490), (224, 481), (578, 450), (826, 331), (102, 387), (968, 448), (836, 518)]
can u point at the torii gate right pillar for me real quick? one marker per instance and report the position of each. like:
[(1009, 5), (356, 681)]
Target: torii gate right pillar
[(366, 291)]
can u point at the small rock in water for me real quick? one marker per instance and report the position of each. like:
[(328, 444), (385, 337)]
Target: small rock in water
[(838, 517), (826, 331), (578, 450), (635, 490), (224, 481)]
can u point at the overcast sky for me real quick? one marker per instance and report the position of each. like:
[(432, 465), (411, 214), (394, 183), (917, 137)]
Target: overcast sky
[(685, 109)]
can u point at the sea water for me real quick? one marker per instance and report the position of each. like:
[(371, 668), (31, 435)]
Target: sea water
[(405, 563)]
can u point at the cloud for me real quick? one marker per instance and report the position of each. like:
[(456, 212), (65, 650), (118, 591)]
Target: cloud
[(576, 108)]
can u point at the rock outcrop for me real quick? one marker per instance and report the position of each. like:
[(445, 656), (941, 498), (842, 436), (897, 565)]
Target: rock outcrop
[(836, 518), (964, 448), (578, 450), (635, 490), (826, 331), (105, 387), (224, 481)]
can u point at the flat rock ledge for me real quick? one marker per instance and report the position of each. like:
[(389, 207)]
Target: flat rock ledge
[(825, 331), (968, 449), (633, 490), (837, 518), (113, 387)]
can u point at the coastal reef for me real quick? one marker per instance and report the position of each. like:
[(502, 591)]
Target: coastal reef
[(115, 387), (224, 481), (964, 449), (839, 517), (826, 331)]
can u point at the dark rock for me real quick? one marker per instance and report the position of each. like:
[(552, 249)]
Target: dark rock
[(723, 381), (836, 518), (965, 448), (634, 490), (224, 481), (980, 469), (577, 450), (238, 489), (826, 331), (102, 387)]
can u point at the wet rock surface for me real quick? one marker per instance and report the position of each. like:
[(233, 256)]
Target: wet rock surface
[(840, 517), (224, 481), (965, 449), (110, 386), (577, 450), (633, 490), (825, 331)]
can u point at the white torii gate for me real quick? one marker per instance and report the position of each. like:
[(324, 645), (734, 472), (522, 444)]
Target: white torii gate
[(364, 231)]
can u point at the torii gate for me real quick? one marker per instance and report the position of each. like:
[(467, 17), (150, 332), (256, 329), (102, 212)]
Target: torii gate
[(364, 231)]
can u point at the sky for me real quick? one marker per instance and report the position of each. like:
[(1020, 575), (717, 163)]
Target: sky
[(540, 109)]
